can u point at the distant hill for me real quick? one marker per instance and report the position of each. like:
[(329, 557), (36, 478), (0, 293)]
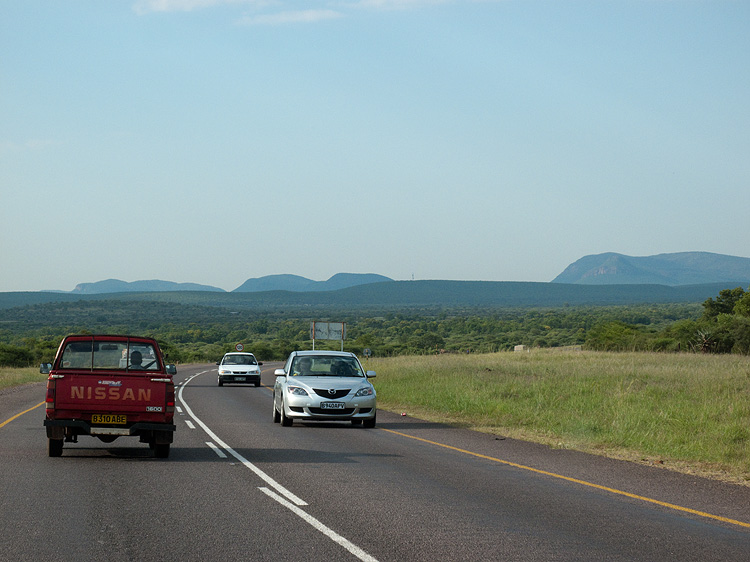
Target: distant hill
[(117, 286), (414, 295), (275, 283), (683, 268), (299, 284), (605, 279)]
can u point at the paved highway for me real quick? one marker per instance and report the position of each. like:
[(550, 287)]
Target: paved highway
[(238, 486)]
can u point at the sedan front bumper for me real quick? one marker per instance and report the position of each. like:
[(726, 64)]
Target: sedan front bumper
[(303, 408)]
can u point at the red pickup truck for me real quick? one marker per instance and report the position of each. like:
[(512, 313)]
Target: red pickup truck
[(109, 387)]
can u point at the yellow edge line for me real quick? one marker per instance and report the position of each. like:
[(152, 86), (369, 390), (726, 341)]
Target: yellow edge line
[(575, 480), (6, 422)]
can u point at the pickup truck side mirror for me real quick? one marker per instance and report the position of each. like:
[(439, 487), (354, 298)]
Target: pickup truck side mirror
[(171, 369), (45, 368)]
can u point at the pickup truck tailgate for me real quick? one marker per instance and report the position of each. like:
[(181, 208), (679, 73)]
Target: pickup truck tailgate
[(140, 396)]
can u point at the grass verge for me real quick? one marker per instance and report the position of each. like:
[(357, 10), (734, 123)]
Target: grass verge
[(13, 376), (686, 412)]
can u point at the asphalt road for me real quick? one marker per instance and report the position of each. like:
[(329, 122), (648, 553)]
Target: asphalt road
[(238, 486)]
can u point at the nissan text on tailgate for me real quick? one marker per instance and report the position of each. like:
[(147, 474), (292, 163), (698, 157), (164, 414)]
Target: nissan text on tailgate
[(109, 387)]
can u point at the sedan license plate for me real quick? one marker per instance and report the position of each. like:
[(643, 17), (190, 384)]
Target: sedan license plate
[(239, 379), (109, 418), (332, 405)]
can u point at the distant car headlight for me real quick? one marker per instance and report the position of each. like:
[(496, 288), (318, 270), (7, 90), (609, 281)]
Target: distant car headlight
[(366, 391), (296, 391), (225, 372)]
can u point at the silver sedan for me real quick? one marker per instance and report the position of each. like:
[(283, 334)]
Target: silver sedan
[(324, 385)]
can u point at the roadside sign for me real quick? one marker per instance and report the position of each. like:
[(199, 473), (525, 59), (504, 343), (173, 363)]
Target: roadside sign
[(239, 347), (328, 331)]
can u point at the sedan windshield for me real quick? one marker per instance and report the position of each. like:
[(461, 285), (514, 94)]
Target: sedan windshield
[(239, 360), (325, 365)]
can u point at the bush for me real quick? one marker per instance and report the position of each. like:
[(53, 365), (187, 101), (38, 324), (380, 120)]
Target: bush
[(12, 356), (612, 336)]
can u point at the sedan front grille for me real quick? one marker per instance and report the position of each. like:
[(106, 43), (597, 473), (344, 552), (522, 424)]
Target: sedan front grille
[(324, 392)]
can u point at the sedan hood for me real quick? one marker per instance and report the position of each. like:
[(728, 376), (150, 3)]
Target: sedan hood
[(328, 381)]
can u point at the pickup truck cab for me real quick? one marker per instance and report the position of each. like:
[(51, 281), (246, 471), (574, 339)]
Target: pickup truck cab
[(109, 387)]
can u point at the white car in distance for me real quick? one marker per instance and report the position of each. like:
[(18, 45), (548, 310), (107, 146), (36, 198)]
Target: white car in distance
[(239, 368)]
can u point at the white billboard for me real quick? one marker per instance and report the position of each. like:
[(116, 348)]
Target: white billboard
[(328, 331)]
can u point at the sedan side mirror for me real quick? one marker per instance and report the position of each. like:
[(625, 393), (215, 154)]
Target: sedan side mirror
[(280, 372), (370, 374)]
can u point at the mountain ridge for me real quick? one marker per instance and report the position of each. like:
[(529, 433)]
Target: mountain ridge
[(672, 269), (154, 285), (610, 268), (283, 282), (297, 283)]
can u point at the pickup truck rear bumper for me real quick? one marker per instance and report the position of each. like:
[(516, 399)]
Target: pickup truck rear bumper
[(57, 429)]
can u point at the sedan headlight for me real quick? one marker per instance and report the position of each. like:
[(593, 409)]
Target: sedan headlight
[(225, 372), (366, 391), (296, 391)]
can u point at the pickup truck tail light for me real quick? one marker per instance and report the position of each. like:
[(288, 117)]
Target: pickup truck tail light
[(169, 406), (170, 397), (49, 400)]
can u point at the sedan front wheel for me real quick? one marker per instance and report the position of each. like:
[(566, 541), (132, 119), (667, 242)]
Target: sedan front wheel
[(369, 423), (286, 421)]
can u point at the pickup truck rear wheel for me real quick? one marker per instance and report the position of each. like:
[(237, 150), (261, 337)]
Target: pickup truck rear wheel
[(54, 447), (161, 450)]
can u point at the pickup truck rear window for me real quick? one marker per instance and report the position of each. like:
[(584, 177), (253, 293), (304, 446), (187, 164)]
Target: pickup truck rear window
[(109, 355)]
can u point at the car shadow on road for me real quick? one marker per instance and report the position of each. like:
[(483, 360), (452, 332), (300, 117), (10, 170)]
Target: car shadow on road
[(78, 453), (205, 454)]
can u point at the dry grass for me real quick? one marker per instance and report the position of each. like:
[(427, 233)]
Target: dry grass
[(13, 376), (683, 411)]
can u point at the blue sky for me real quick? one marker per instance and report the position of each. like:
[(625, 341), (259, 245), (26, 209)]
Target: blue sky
[(212, 141)]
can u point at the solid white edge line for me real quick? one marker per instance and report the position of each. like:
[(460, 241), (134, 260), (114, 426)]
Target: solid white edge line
[(265, 477), (216, 450), (330, 533)]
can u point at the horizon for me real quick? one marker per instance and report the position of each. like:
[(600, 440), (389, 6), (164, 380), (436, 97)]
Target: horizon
[(214, 141), (341, 273)]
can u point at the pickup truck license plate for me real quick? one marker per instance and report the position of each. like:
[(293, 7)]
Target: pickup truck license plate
[(332, 405), (109, 418)]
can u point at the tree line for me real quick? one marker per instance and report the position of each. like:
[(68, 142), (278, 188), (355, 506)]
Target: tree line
[(30, 335)]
